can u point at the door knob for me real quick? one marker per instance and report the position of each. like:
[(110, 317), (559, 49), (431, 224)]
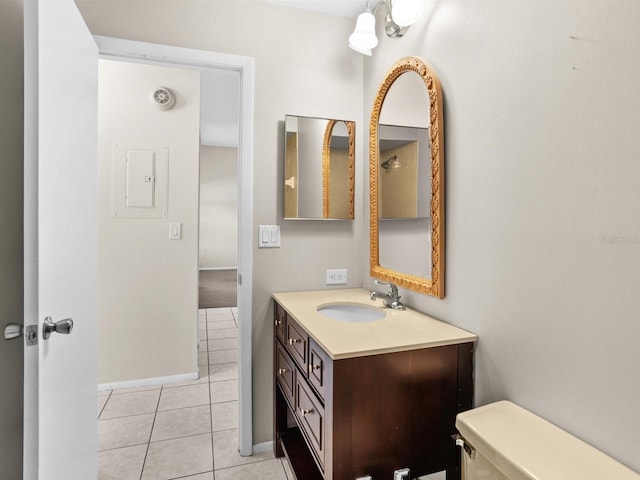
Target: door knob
[(12, 330), (62, 326)]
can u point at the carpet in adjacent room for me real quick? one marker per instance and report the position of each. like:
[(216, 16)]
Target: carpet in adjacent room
[(218, 288)]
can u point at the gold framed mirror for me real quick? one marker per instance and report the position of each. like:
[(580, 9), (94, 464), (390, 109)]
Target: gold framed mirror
[(319, 168), (406, 146), (338, 169)]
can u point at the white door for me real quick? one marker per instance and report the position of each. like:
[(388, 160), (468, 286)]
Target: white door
[(61, 84)]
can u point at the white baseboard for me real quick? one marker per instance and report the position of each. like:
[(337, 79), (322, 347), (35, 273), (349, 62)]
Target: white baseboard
[(145, 382), (263, 447), (217, 268)]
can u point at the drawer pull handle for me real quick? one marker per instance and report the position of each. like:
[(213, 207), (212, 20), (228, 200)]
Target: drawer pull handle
[(314, 367), (294, 340), (278, 323), (282, 371), (306, 412)]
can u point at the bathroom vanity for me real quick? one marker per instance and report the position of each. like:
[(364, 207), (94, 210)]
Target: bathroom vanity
[(366, 398)]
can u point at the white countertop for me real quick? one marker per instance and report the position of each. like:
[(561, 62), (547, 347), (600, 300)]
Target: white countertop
[(399, 330)]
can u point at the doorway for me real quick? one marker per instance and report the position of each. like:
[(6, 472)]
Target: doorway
[(218, 232), (139, 52)]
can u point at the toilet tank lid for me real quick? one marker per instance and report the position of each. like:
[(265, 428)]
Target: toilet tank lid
[(524, 446)]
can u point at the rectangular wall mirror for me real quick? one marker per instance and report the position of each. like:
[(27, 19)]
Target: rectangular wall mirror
[(319, 168)]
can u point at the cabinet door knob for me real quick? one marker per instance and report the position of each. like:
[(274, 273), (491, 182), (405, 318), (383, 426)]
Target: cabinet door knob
[(314, 367), (282, 371), (306, 412), (294, 340), (278, 322)]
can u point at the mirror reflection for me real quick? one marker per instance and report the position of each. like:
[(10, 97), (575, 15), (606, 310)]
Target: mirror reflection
[(405, 175), (407, 179), (318, 168)]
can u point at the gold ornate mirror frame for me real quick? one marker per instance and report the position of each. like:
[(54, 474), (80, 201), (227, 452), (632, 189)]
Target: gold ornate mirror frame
[(326, 164), (435, 285)]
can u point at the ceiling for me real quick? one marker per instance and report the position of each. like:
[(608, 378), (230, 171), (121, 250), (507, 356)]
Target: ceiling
[(340, 8), (220, 88)]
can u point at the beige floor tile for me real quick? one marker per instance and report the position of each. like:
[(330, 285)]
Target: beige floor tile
[(222, 344), (224, 391), (224, 371), (203, 372), (130, 404), (220, 316), (102, 400), (181, 423), (201, 476), (142, 388), (223, 356), (182, 397), (225, 451), (223, 333), (121, 463), (219, 310), (124, 431), (178, 457), (264, 470), (218, 324), (203, 358), (224, 416)]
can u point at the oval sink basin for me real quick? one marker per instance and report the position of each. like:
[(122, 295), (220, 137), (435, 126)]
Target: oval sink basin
[(351, 312)]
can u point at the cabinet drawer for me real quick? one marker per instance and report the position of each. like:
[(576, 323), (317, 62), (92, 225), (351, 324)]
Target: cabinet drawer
[(311, 415), (286, 373), (296, 343), (319, 366), (279, 321)]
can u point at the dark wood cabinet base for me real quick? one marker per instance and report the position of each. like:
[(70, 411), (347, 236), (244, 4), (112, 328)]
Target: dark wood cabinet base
[(368, 415)]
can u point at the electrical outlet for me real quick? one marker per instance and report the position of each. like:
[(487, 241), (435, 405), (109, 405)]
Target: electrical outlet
[(337, 276)]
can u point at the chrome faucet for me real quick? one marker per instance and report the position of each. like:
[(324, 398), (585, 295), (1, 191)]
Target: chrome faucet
[(391, 299)]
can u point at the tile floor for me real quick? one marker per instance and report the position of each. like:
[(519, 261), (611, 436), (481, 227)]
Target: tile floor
[(186, 430)]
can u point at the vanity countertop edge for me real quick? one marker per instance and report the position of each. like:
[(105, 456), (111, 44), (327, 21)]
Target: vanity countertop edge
[(397, 331)]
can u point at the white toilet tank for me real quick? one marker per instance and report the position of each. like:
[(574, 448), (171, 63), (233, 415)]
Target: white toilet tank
[(508, 442)]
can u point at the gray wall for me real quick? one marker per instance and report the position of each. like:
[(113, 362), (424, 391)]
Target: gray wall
[(542, 111), (302, 67), (218, 232), (11, 139), (543, 230)]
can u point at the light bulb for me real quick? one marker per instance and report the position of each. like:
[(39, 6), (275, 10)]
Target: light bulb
[(364, 37), (406, 12)]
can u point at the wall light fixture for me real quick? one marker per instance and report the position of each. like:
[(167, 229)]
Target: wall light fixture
[(400, 15)]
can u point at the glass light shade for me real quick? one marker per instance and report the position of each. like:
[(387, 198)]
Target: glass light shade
[(364, 36), (364, 51), (406, 12)]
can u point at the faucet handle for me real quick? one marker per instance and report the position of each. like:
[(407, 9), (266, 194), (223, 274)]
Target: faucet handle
[(393, 289)]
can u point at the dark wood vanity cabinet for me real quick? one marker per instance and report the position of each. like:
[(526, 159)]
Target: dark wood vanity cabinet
[(367, 415)]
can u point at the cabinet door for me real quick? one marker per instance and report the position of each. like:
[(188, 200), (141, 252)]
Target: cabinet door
[(311, 415), (279, 321), (286, 374), (319, 368), (296, 343)]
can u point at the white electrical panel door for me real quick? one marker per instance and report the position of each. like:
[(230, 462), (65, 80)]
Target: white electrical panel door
[(140, 178), (139, 181)]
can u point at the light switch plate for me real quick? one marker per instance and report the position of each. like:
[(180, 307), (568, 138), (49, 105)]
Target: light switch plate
[(268, 236), (175, 231)]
